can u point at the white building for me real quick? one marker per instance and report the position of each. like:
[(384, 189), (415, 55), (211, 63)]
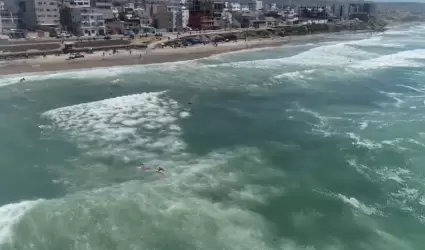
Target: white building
[(244, 8), (185, 18), (258, 5), (40, 13), (87, 22), (104, 7), (227, 18), (255, 5), (235, 7), (8, 20)]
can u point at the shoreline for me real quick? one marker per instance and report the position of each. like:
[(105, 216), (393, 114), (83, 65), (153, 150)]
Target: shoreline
[(54, 64)]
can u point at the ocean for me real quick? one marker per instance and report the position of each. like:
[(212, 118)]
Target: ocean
[(310, 146)]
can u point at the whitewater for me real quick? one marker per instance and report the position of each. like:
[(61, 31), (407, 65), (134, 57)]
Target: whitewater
[(309, 146)]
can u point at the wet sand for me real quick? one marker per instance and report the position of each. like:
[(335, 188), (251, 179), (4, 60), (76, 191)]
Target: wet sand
[(137, 57)]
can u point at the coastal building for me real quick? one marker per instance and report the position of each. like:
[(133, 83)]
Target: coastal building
[(87, 22), (312, 12), (104, 7), (255, 5), (165, 21), (236, 7), (370, 8), (175, 18), (39, 14), (129, 26), (154, 7), (206, 14), (8, 20), (244, 8)]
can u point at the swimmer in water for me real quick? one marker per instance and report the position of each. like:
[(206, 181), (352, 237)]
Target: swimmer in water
[(22, 79), (143, 167), (160, 170)]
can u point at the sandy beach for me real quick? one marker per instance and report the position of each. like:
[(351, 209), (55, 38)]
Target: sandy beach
[(150, 56), (136, 57)]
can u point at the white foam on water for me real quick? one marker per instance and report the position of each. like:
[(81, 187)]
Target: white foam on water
[(329, 55), (422, 201), (360, 168), (10, 214), (399, 59), (412, 88), (97, 73), (145, 127), (324, 55), (376, 41), (366, 143), (297, 75), (358, 205), (399, 175), (363, 125), (397, 32), (134, 119)]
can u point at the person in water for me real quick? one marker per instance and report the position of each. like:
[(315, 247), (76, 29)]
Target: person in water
[(160, 170)]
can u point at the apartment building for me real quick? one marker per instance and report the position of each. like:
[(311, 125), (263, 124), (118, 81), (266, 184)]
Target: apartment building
[(87, 22), (39, 14), (104, 7), (8, 20)]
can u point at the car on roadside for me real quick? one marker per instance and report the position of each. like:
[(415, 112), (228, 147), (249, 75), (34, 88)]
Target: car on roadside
[(75, 56)]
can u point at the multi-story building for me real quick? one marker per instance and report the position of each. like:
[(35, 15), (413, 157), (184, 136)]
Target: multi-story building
[(87, 22), (8, 20), (128, 26), (165, 20), (39, 14), (205, 14), (154, 7), (104, 7), (82, 19), (236, 7), (370, 8), (255, 5)]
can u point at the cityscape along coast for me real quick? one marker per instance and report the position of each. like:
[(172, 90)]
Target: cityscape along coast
[(60, 35)]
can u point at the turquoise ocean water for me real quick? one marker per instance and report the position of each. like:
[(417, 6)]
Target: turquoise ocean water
[(316, 145)]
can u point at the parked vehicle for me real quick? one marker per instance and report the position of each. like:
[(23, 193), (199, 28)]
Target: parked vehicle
[(75, 56)]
